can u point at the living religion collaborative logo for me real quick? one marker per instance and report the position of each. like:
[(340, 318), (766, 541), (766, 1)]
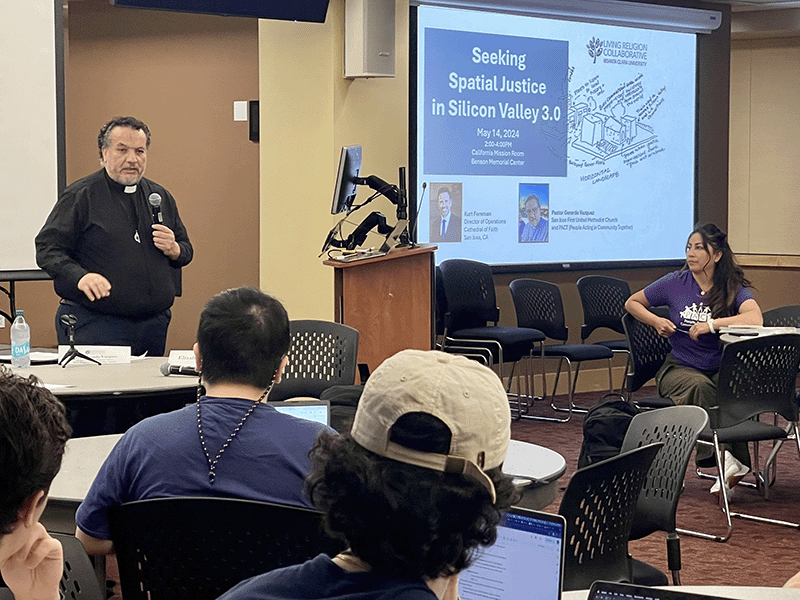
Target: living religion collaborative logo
[(595, 47), (617, 52)]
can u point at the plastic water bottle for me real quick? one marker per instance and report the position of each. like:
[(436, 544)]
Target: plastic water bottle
[(20, 342)]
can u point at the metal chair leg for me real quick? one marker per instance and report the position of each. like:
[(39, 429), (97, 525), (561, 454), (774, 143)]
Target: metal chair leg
[(544, 396), (674, 557), (723, 502)]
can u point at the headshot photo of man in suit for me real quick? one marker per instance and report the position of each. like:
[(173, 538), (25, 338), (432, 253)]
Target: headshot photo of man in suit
[(445, 212)]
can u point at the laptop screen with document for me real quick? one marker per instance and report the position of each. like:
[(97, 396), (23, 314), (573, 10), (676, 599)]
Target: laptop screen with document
[(525, 563), (313, 410)]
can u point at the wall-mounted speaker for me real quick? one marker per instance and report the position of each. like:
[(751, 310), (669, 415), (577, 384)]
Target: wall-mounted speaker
[(254, 129), (313, 11), (369, 38)]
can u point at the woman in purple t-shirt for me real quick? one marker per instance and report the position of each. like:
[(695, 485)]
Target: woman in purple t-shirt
[(708, 293)]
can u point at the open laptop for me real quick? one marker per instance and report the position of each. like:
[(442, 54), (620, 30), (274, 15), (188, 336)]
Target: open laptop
[(603, 590), (313, 410), (525, 563)]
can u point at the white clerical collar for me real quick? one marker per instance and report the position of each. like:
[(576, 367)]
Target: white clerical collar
[(130, 189)]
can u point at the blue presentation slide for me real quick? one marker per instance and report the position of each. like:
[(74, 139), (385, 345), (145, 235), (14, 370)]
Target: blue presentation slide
[(551, 141)]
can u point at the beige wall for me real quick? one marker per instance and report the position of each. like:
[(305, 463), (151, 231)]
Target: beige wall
[(308, 112), (179, 73), (296, 105), (765, 156), (765, 164)]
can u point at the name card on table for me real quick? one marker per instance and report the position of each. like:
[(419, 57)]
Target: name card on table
[(106, 355), (181, 358)]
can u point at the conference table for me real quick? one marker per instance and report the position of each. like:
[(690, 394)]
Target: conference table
[(83, 458), (741, 332), (110, 398), (725, 591)]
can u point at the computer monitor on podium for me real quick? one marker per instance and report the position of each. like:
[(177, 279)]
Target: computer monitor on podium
[(346, 179)]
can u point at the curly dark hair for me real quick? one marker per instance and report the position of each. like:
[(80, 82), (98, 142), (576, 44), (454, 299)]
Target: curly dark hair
[(33, 431), (402, 520), (728, 275), (103, 138)]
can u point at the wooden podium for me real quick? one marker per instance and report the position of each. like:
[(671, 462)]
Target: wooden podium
[(389, 299)]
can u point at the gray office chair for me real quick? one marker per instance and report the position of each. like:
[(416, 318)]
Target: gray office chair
[(538, 305), (648, 350), (677, 427), (471, 304), (79, 580), (603, 302), (783, 316)]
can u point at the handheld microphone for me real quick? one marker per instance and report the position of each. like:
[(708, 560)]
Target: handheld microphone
[(168, 369), (155, 201)]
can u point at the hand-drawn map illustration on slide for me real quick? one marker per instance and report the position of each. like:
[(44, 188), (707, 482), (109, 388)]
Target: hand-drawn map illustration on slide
[(604, 126)]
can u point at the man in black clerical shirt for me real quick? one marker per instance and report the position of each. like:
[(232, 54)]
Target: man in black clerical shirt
[(115, 258)]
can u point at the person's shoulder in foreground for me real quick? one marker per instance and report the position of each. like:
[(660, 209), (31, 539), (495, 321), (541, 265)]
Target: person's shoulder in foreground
[(33, 432), (413, 490)]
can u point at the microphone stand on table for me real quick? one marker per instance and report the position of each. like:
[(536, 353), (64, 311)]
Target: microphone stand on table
[(73, 352)]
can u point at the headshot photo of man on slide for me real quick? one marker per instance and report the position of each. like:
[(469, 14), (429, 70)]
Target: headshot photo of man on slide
[(446, 212), (533, 211)]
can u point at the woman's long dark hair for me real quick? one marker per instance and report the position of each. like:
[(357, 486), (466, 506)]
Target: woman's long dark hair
[(728, 275)]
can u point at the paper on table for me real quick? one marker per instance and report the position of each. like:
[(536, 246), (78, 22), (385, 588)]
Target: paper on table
[(756, 330), (106, 355), (37, 358)]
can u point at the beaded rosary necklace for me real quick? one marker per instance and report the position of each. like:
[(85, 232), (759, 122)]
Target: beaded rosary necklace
[(212, 464)]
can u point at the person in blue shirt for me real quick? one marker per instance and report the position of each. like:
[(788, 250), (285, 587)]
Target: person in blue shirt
[(230, 443)]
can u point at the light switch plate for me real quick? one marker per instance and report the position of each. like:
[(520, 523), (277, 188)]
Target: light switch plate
[(240, 110)]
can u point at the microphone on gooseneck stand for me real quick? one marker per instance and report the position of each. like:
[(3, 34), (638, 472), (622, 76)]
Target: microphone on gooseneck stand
[(419, 208), (155, 201)]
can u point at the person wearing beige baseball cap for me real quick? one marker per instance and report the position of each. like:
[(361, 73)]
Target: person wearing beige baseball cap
[(414, 489)]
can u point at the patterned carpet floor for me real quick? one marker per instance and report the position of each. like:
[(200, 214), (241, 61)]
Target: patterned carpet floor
[(756, 554)]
